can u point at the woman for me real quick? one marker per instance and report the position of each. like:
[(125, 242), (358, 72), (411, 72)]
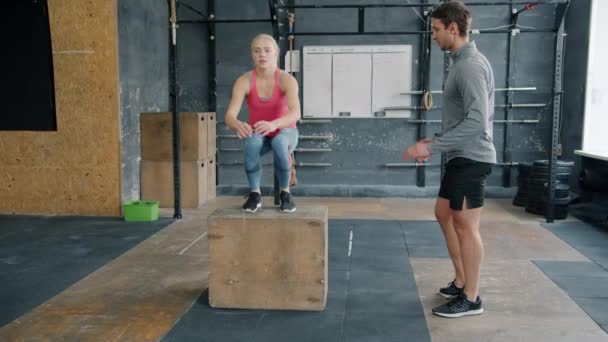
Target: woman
[(274, 109)]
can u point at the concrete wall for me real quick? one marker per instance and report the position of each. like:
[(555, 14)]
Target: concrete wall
[(143, 37), (79, 170)]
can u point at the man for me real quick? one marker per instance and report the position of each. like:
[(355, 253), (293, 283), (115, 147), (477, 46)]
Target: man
[(466, 137), (274, 109)]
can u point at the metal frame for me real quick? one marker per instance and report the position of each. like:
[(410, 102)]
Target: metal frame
[(425, 68), (424, 79), (211, 21), (424, 4)]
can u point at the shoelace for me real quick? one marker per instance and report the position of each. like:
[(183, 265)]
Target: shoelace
[(249, 194), (458, 304)]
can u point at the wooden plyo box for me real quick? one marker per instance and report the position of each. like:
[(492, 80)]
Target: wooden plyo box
[(269, 259), (197, 136), (197, 182)]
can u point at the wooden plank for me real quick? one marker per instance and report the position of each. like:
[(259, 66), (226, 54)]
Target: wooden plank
[(211, 134), (268, 260), (212, 178)]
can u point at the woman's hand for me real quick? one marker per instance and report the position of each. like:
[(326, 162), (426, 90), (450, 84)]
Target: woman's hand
[(264, 127), (243, 130)]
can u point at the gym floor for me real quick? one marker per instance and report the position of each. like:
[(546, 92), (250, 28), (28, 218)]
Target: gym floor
[(71, 278)]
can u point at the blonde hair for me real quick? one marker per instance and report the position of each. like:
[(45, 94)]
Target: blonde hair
[(266, 36)]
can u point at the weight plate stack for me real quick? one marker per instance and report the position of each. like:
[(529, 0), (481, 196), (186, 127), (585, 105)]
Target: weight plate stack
[(538, 188), (521, 197)]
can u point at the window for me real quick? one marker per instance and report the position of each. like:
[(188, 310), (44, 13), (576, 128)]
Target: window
[(27, 93), (595, 141)]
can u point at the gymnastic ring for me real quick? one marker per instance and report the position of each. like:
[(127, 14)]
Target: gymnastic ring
[(427, 100)]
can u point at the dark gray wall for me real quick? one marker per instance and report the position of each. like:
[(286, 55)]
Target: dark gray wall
[(361, 147), (144, 79)]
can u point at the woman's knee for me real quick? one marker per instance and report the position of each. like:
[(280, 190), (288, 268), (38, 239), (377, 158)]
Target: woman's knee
[(279, 143), (253, 143), (252, 148)]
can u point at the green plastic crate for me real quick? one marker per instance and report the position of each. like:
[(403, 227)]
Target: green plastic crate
[(141, 210)]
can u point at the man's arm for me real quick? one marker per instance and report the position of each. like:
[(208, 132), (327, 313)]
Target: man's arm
[(290, 86), (473, 87), (239, 91)]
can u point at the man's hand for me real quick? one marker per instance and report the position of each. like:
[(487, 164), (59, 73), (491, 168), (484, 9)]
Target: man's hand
[(243, 130), (418, 151), (264, 127)]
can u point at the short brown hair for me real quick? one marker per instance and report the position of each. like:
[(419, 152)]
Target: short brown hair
[(454, 12)]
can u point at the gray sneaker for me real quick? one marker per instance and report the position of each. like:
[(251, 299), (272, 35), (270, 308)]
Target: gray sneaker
[(450, 291), (458, 307), (287, 203), (253, 203)]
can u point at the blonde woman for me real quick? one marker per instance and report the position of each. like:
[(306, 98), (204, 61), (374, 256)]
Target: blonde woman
[(274, 109)]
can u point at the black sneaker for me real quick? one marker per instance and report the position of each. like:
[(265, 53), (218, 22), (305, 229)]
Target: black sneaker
[(458, 307), (253, 203), (287, 203), (450, 291)]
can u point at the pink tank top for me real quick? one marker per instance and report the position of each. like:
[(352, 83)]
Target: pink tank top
[(270, 109)]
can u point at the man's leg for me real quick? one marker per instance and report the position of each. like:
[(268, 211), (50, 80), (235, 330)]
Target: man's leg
[(443, 213), (466, 224), (465, 188)]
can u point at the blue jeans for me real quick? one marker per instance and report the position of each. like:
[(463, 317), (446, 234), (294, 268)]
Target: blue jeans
[(282, 145)]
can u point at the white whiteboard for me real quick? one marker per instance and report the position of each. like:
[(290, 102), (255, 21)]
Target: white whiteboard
[(392, 74), (595, 139), (351, 87), (317, 83), (358, 80)]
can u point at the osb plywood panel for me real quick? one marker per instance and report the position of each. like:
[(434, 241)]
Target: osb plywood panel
[(75, 170)]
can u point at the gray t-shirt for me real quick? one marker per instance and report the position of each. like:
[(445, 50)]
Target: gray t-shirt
[(468, 108)]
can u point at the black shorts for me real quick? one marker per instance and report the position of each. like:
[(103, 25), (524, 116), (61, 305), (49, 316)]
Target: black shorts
[(465, 178)]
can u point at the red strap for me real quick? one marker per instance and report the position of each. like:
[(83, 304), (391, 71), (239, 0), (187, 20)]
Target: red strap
[(531, 6)]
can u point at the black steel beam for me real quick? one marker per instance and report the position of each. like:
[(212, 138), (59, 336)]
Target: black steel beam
[(557, 109), (272, 6), (488, 3), (174, 106), (508, 115), (446, 70), (424, 83), (212, 98), (223, 21), (386, 33), (361, 23)]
